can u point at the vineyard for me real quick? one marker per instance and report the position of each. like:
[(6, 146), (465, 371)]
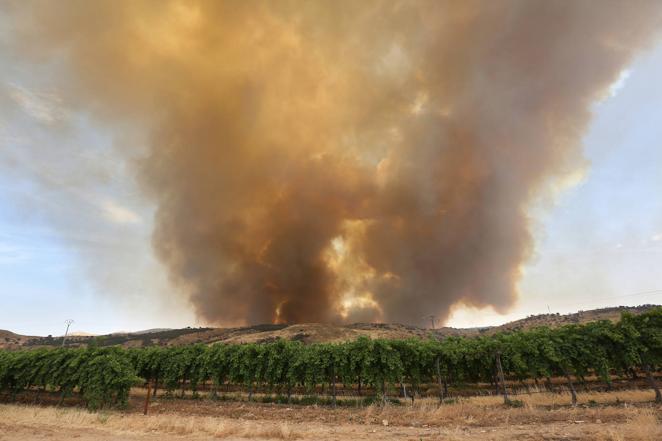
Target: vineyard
[(289, 371)]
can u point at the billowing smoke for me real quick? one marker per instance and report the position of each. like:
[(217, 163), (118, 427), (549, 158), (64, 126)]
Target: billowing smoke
[(342, 160)]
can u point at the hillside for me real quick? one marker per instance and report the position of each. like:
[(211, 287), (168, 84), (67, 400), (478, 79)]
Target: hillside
[(305, 332), (11, 340), (554, 320)]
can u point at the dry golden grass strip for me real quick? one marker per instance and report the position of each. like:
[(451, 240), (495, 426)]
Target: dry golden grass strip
[(117, 422), (636, 418), (536, 409)]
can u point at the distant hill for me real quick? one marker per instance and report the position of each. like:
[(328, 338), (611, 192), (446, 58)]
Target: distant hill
[(150, 331), (10, 340), (305, 332), (554, 320)]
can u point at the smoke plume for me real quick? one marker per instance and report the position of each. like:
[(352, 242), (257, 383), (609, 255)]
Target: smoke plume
[(346, 160)]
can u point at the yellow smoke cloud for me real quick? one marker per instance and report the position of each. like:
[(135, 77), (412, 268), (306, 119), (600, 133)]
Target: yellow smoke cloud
[(339, 161)]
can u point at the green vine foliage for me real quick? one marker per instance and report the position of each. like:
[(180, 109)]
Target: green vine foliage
[(104, 376)]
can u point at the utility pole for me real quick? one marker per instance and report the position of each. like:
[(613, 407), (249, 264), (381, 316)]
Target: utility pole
[(438, 368), (67, 322)]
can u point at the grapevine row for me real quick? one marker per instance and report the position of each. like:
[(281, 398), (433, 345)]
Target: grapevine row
[(103, 376)]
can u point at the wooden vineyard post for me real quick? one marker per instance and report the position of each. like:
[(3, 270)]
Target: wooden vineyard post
[(573, 392), (501, 378), (156, 386), (149, 393), (333, 387), (651, 382), (441, 391)]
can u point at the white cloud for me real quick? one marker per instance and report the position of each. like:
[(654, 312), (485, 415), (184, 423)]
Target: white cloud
[(656, 237), (44, 107), (620, 82), (119, 214)]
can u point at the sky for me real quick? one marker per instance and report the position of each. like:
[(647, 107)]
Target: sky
[(75, 232)]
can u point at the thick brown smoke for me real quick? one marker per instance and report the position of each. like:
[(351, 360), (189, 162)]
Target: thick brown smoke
[(342, 160)]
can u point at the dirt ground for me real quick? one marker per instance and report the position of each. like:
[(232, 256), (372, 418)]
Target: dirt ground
[(626, 415)]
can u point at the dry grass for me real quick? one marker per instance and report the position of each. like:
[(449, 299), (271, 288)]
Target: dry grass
[(607, 423), (543, 416), (634, 419), (132, 423), (554, 399), (643, 427)]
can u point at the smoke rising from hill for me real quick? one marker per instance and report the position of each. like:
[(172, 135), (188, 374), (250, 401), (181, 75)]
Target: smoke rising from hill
[(342, 161)]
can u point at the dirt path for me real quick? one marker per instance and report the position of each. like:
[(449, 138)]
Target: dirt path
[(325, 432)]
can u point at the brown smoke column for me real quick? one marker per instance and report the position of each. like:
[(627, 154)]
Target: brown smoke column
[(342, 160)]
